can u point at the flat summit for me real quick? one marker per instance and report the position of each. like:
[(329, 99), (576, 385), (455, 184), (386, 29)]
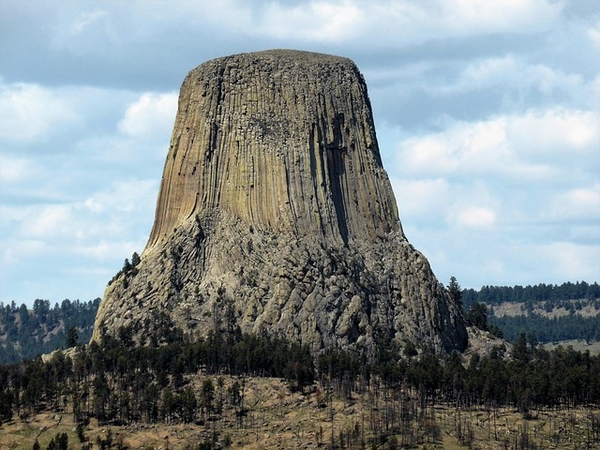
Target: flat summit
[(275, 215)]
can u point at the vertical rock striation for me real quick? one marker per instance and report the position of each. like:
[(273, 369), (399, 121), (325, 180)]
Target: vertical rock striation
[(275, 215), (282, 140)]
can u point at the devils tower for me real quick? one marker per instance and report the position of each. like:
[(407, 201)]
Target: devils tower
[(275, 215)]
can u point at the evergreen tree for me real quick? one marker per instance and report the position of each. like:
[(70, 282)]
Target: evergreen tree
[(135, 259), (72, 337), (477, 316), (455, 291)]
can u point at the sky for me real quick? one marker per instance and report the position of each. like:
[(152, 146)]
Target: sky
[(487, 115)]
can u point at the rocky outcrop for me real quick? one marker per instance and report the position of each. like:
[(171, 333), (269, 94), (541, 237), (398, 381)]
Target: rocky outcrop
[(275, 215)]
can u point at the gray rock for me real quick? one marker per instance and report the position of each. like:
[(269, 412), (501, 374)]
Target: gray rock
[(275, 215)]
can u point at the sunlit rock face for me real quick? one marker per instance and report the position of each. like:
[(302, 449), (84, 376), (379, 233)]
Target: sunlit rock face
[(275, 216)]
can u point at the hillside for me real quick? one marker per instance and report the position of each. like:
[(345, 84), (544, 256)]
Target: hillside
[(239, 391), (256, 393), (279, 419), (26, 333), (546, 314)]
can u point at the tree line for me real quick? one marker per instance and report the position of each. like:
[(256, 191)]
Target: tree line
[(554, 296), (573, 297), (527, 378), (117, 382)]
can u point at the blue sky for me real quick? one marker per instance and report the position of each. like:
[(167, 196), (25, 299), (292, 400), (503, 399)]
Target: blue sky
[(487, 115)]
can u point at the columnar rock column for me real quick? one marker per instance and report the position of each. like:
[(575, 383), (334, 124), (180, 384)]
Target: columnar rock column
[(275, 215)]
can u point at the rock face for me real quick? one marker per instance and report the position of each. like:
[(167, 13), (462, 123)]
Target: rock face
[(275, 215)]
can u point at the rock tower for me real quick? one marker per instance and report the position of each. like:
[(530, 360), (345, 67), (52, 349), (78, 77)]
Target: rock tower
[(275, 215)]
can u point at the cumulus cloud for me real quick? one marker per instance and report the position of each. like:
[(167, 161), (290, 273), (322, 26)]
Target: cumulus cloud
[(580, 203), (31, 112), (561, 131), (512, 72), (385, 23), (150, 116), (480, 148), (433, 202), (594, 35), (510, 191), (425, 198), (570, 260), (91, 235), (17, 169), (476, 218), (123, 196), (533, 145), (65, 206), (77, 221), (400, 22), (312, 21)]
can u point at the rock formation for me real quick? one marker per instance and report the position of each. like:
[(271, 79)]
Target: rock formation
[(275, 215)]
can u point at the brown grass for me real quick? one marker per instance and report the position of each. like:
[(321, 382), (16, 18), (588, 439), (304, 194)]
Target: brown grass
[(278, 419)]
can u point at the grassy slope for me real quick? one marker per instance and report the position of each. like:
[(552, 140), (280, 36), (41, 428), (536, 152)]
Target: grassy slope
[(280, 419)]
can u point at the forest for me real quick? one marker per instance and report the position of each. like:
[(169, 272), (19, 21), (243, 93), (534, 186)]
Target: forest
[(538, 304), (545, 329), (175, 381), (27, 333), (119, 383), (554, 296)]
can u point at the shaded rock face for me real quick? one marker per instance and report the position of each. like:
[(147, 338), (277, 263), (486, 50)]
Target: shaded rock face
[(275, 216)]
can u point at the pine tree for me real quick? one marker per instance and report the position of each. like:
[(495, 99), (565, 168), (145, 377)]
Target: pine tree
[(455, 291)]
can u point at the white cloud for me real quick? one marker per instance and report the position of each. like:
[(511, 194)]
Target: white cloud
[(95, 226), (518, 78), (534, 145), (475, 217), (422, 198), (581, 203), (480, 148), (312, 21), (560, 131), (409, 22), (508, 194), (35, 116), (594, 36), (150, 116), (417, 22), (571, 261), (15, 252), (14, 170), (85, 19), (384, 23), (446, 203), (123, 196), (31, 112), (50, 221)]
